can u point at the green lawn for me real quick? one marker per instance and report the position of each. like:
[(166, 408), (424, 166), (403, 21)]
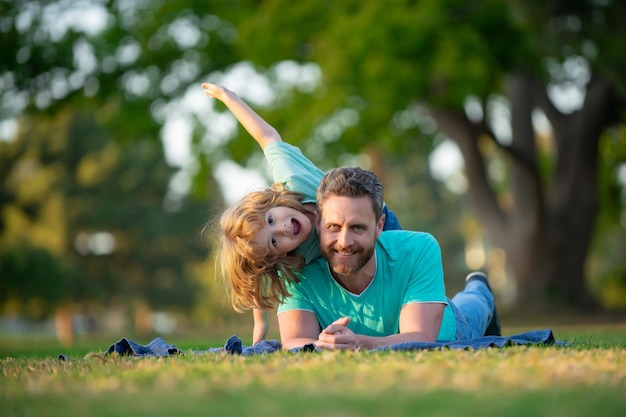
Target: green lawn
[(587, 378)]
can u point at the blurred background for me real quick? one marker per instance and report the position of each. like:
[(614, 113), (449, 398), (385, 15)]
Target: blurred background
[(496, 125)]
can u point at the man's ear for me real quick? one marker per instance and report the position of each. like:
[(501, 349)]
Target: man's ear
[(380, 225), (316, 218)]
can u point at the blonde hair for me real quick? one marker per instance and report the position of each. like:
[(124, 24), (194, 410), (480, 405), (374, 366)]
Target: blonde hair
[(256, 279)]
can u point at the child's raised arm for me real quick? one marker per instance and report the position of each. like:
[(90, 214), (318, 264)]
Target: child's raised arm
[(258, 128)]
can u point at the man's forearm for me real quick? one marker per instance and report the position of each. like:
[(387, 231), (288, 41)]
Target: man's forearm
[(373, 342)]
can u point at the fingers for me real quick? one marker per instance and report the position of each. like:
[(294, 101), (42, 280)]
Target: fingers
[(337, 326), (334, 346), (342, 321), (338, 336), (331, 341), (210, 89), (337, 341)]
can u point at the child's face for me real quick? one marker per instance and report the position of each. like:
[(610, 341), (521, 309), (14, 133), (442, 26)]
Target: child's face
[(285, 229)]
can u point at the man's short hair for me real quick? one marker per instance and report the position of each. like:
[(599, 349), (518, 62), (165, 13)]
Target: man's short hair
[(351, 182)]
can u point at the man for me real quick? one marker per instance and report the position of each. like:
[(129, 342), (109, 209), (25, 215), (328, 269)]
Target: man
[(373, 289)]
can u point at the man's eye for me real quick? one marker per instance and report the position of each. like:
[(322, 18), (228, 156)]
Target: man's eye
[(333, 228), (358, 228)]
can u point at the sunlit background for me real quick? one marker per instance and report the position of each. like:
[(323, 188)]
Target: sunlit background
[(198, 141)]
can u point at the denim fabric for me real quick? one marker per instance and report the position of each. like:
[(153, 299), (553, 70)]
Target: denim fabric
[(156, 347), (391, 221), (533, 337), (264, 346), (233, 345), (472, 308)]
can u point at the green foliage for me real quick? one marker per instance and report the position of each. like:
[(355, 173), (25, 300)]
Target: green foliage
[(378, 58), (561, 29), (90, 96), (609, 277), (109, 190), (33, 275), (380, 61)]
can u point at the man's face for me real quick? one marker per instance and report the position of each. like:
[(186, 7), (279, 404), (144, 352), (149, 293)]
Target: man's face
[(348, 231)]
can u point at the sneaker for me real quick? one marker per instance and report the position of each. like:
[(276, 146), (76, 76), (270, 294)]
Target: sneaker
[(494, 328)]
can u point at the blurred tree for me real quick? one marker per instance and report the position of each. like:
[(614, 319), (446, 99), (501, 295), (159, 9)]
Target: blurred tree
[(134, 60), (483, 73), (396, 76), (89, 85), (118, 233), (34, 277)]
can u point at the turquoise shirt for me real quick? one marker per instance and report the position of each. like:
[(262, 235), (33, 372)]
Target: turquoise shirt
[(291, 168), (409, 270)]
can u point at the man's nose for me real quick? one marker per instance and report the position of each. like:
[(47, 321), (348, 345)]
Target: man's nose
[(344, 238)]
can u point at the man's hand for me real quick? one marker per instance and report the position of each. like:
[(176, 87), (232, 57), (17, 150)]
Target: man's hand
[(338, 336)]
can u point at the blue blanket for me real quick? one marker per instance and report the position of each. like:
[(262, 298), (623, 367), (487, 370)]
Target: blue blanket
[(534, 337), (234, 346), (158, 347)]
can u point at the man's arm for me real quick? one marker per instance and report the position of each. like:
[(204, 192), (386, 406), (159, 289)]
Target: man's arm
[(258, 128), (423, 319), (419, 322), (298, 328)]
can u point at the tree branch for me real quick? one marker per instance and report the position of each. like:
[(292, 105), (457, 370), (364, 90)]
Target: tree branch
[(459, 128), (525, 178)]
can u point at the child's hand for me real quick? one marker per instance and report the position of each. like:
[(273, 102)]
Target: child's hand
[(214, 91)]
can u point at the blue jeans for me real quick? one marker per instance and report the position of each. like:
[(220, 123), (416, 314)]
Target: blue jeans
[(473, 308), (391, 221)]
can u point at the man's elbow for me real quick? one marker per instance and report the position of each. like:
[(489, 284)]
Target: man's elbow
[(290, 344)]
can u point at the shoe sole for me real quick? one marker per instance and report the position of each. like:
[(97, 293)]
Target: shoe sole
[(493, 328)]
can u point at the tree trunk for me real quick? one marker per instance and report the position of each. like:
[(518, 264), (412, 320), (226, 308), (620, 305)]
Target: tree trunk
[(547, 229), (143, 318), (63, 325)]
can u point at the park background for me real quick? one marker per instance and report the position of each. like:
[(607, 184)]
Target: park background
[(497, 126)]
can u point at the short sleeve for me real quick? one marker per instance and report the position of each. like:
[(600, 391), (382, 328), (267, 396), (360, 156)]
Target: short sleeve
[(297, 299), (291, 168), (426, 282)]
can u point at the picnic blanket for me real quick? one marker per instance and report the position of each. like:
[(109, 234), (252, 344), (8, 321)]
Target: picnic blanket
[(534, 337), (234, 345)]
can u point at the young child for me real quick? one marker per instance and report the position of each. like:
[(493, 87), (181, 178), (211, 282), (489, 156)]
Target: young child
[(269, 235)]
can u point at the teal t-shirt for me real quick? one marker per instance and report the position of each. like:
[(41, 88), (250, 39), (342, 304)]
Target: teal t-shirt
[(290, 167), (409, 270)]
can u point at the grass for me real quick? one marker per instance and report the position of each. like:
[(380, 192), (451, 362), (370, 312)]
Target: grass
[(586, 378)]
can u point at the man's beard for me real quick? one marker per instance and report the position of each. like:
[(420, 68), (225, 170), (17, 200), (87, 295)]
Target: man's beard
[(343, 268)]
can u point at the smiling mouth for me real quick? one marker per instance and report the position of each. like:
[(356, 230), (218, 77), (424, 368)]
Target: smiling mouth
[(345, 251), (295, 227)]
